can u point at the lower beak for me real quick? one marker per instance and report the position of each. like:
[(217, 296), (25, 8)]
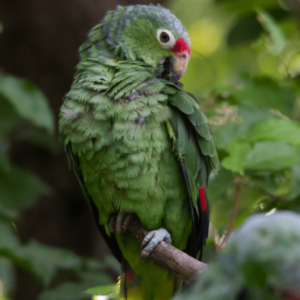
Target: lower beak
[(179, 64)]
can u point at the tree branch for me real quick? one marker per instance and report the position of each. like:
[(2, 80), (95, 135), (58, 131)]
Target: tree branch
[(238, 186), (168, 257)]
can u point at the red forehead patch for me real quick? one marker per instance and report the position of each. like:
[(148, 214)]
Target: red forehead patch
[(180, 46)]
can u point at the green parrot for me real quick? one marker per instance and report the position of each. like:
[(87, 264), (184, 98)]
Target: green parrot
[(139, 144), (261, 261)]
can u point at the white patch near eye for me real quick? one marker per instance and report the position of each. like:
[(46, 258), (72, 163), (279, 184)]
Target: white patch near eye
[(165, 38)]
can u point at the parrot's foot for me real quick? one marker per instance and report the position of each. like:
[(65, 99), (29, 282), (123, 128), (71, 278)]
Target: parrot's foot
[(120, 223), (152, 239)]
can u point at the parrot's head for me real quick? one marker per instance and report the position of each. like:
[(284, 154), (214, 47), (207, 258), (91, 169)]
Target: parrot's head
[(156, 36), (151, 34)]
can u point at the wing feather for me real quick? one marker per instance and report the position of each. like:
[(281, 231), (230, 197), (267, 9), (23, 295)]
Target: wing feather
[(110, 240), (197, 155)]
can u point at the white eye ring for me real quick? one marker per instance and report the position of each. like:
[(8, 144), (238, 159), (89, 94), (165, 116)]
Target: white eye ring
[(165, 38)]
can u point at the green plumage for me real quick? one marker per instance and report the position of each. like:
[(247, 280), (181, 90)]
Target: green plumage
[(113, 122)]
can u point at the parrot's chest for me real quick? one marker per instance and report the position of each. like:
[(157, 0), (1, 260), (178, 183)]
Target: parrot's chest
[(135, 170)]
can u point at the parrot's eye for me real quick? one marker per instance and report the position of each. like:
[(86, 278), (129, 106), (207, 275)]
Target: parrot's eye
[(166, 38)]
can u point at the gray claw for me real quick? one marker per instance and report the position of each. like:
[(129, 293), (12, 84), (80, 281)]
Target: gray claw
[(120, 223), (128, 218), (152, 239), (112, 225)]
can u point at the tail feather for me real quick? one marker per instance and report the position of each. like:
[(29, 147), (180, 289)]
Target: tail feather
[(167, 289), (134, 288), (123, 286), (130, 288)]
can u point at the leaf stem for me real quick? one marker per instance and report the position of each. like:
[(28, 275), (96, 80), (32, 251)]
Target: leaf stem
[(238, 186)]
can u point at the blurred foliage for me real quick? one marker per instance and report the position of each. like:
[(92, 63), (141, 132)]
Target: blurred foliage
[(245, 69), (92, 274), (26, 116), (261, 261)]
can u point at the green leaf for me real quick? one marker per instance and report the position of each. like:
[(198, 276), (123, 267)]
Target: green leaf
[(271, 156), (250, 197), (273, 183), (273, 29), (276, 129), (295, 180), (28, 101), (7, 213), (9, 240), (221, 189), (220, 184), (102, 290), (94, 274), (44, 261), (237, 157), (226, 134), (244, 30), (264, 92), (20, 188), (230, 131), (9, 118), (249, 203), (66, 291), (237, 5)]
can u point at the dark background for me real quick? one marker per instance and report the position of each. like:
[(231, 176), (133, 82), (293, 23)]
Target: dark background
[(40, 42)]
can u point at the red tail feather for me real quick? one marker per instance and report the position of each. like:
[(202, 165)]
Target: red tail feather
[(129, 274), (202, 199)]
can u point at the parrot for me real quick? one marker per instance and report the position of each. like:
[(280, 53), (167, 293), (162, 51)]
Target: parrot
[(138, 143), (261, 261)]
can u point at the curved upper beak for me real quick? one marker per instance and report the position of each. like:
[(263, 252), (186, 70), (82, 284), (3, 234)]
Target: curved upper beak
[(179, 64)]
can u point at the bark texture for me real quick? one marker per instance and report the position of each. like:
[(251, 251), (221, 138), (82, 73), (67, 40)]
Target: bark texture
[(168, 257)]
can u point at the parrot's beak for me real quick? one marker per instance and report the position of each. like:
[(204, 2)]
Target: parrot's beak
[(179, 64)]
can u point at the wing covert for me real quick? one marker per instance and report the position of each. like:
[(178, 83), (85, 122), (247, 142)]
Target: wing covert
[(195, 149)]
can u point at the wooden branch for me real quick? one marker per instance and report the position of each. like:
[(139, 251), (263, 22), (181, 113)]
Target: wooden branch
[(168, 257), (238, 189)]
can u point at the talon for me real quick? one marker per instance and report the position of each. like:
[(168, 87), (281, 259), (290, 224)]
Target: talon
[(128, 218), (120, 222), (152, 239), (112, 224), (147, 238)]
